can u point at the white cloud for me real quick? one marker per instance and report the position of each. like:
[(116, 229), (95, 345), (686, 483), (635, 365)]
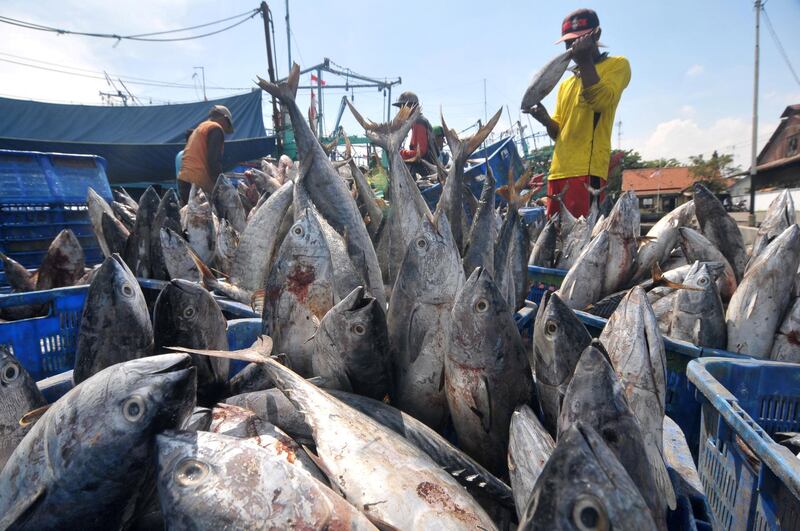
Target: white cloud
[(695, 70), (688, 111), (682, 137)]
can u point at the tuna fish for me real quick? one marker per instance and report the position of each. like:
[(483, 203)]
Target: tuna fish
[(18, 396), (545, 80), (480, 241), (584, 486), (623, 227), (780, 215), (720, 228), (328, 191), (786, 346), (178, 257), (17, 275), (559, 338), (115, 324), (596, 398), (755, 310), (186, 315), (636, 351), (698, 316), (487, 374), (207, 480), (351, 350), (699, 249), (366, 460), (419, 317), (226, 202), (86, 461), (137, 250), (200, 230), (661, 240), (167, 216), (583, 283), (529, 449), (64, 263), (543, 252)]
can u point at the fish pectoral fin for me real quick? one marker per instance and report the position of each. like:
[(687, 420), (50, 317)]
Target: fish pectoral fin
[(482, 400), (323, 468), (24, 503), (33, 415), (660, 474)]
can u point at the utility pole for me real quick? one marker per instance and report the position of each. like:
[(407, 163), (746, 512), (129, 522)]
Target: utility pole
[(276, 115), (288, 37), (203, 70), (754, 145)]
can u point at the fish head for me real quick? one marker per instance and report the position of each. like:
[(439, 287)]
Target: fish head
[(356, 324), (149, 200), (583, 486), (117, 412), (190, 471), (558, 339), (118, 285), (185, 309), (699, 276), (15, 381), (306, 236), (594, 394), (431, 270), (478, 313)]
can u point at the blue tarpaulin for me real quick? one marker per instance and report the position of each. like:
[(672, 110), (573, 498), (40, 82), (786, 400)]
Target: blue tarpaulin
[(139, 143)]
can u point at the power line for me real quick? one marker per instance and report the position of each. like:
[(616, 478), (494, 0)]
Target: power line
[(91, 74), (780, 46), (146, 37)]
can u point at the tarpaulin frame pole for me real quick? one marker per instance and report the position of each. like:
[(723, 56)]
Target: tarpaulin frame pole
[(276, 115)]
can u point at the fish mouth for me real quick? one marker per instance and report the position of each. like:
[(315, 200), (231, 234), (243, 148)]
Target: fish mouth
[(179, 362), (361, 299)]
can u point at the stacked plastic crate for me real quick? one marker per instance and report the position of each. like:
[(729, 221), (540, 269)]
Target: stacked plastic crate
[(42, 194)]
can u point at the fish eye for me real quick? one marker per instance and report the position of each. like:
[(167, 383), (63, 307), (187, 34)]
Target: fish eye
[(589, 515), (550, 327), (127, 290), (702, 281), (133, 408), (297, 230), (481, 305), (190, 472), (189, 312), (359, 329), (422, 243), (10, 373)]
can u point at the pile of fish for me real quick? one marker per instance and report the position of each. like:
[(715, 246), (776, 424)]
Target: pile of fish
[(375, 344), (711, 293), (63, 265)]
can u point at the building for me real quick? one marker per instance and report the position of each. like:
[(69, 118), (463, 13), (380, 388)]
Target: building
[(659, 189), (778, 164)]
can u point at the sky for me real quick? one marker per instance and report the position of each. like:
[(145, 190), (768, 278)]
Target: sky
[(692, 61)]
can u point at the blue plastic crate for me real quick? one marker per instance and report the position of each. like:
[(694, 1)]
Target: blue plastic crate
[(32, 177), (542, 280), (46, 345), (751, 482)]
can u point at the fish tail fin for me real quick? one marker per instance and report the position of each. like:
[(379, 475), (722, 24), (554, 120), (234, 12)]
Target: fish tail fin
[(286, 90), (209, 280), (389, 135), (477, 139), (257, 300)]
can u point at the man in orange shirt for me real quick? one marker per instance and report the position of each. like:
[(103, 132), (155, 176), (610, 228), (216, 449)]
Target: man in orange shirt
[(202, 156), (421, 147)]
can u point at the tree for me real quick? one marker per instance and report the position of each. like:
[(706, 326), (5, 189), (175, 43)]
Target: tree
[(663, 163), (713, 171)]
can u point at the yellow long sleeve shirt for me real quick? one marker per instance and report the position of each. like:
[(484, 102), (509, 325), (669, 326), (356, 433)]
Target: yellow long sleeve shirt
[(586, 118)]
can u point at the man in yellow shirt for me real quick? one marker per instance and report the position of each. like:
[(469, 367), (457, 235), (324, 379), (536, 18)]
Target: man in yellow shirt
[(584, 117)]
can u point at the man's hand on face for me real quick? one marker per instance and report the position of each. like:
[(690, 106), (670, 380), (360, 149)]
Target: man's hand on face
[(539, 113), (585, 47)]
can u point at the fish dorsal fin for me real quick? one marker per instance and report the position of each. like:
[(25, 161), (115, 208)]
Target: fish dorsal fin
[(258, 353), (284, 90)]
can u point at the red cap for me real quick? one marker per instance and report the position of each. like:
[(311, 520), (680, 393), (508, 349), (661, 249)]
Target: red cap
[(578, 23)]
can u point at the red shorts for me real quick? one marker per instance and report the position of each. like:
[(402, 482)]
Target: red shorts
[(577, 197)]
